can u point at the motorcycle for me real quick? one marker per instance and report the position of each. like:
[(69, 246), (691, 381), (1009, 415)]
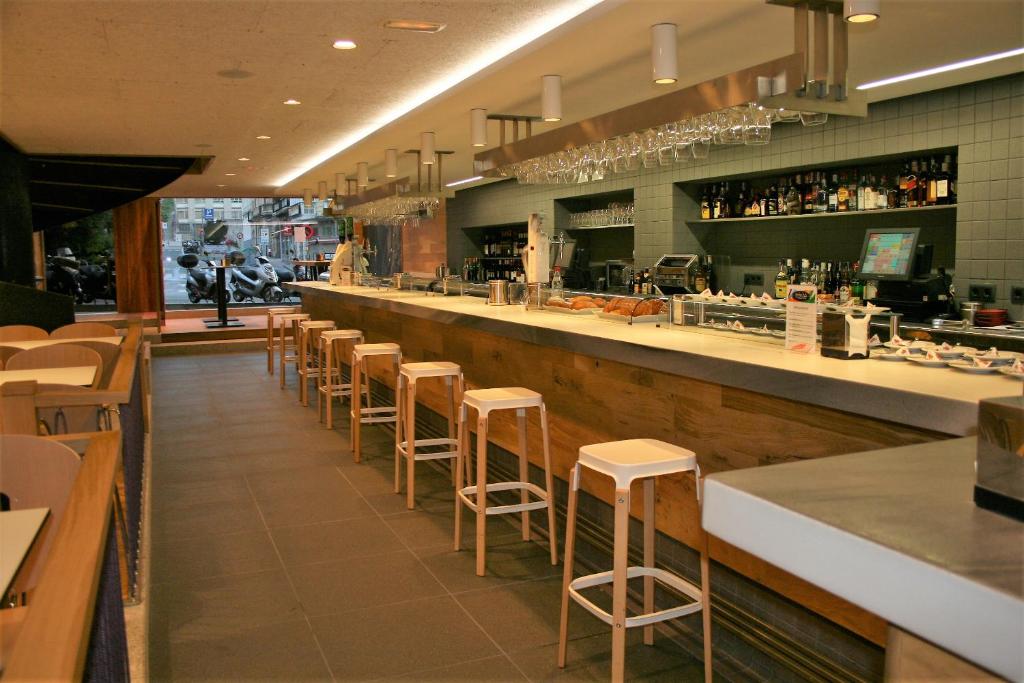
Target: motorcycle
[(62, 274), (254, 282), (199, 283), (97, 280)]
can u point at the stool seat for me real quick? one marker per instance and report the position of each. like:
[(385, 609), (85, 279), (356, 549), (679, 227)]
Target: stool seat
[(314, 324), (341, 334), (363, 350), (282, 310), (632, 459), (289, 317), (502, 398), (415, 371)]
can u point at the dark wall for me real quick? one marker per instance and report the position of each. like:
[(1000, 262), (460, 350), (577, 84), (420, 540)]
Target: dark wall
[(15, 217), (21, 305)]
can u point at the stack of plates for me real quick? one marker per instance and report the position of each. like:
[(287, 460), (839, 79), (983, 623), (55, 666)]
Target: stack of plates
[(990, 317)]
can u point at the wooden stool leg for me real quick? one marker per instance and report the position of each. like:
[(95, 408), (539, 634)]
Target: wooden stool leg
[(307, 336), (330, 383), (705, 591), (400, 428), (270, 344), (357, 410), (524, 469), (649, 530), (549, 486), (449, 385), (410, 448), (461, 451), (320, 352), (481, 496), (570, 549), (281, 364), (619, 578)]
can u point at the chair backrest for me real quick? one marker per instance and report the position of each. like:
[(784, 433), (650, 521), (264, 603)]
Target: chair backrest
[(5, 353), (57, 356), (79, 330), (36, 473), (108, 352), (21, 333)]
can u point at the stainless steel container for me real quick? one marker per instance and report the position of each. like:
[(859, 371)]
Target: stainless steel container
[(968, 309), (534, 296), (497, 292), (517, 293), (676, 315), (894, 324)]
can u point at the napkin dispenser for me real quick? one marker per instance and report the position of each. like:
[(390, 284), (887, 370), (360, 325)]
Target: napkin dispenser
[(844, 335), (1000, 456)]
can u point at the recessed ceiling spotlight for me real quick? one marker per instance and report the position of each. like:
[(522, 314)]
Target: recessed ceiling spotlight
[(414, 25), (262, 137), (221, 185), (230, 174), (344, 45), (244, 159), (291, 101), (861, 11)]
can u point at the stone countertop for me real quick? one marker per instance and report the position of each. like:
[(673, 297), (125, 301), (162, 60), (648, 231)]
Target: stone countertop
[(894, 531), (937, 399)]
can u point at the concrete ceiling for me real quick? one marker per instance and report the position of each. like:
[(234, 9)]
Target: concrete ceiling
[(142, 76)]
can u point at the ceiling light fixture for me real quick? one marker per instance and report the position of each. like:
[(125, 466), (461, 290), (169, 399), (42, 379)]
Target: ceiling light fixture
[(427, 148), (244, 159), (230, 174), (496, 52), (262, 137), (321, 190), (464, 181), (362, 175), (415, 26), (391, 163), (664, 54), (344, 45), (291, 101), (942, 69), (339, 184), (221, 185), (307, 196), (861, 11), (478, 127), (551, 98)]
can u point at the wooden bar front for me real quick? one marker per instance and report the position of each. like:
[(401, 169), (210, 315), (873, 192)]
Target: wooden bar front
[(591, 400)]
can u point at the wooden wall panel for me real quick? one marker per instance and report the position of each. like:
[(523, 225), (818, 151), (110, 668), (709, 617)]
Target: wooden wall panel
[(591, 400), (425, 246), (137, 250)]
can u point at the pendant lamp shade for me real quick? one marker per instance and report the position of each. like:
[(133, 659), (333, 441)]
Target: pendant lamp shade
[(362, 175), (551, 98), (861, 11), (339, 184), (321, 190), (664, 54), (307, 196), (427, 148), (478, 127), (391, 163)]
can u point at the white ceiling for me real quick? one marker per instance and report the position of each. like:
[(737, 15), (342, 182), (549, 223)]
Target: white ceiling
[(140, 76)]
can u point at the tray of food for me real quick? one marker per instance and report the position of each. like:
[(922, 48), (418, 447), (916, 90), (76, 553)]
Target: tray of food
[(577, 305), (624, 309)]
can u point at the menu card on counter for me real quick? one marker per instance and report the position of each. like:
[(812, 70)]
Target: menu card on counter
[(801, 318)]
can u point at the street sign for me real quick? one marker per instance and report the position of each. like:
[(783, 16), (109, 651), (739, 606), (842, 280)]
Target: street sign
[(207, 214)]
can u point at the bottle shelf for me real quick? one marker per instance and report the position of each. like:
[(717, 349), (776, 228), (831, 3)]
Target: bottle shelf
[(877, 212)]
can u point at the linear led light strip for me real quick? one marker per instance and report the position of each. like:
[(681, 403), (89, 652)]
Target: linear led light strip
[(502, 50), (464, 181), (942, 69)]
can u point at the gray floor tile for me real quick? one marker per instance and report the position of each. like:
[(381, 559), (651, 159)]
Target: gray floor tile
[(509, 560), (170, 496), (426, 528), (347, 539), (293, 496), (197, 558), (205, 519), (491, 670), (399, 639), (355, 583)]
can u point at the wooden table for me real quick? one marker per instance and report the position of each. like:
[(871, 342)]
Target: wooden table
[(81, 375), (34, 343), (18, 530)]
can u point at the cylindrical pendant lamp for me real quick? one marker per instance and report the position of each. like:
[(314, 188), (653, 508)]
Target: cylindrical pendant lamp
[(339, 184), (551, 98), (861, 11), (391, 163), (321, 190), (427, 148), (307, 196), (478, 127), (664, 54), (362, 175)]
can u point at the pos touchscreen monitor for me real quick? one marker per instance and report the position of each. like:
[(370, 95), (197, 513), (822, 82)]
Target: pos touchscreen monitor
[(888, 254)]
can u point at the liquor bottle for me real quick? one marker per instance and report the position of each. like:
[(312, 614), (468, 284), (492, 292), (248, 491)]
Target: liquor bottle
[(791, 272), (942, 183), (645, 282), (739, 207), (882, 194), (844, 284), (833, 194), (709, 274), (781, 281), (821, 194), (716, 204), (933, 190), (856, 285), (805, 272), (922, 184), (843, 195), (826, 292), (862, 191), (556, 282), (794, 199), (726, 211), (852, 190), (810, 194), (912, 186), (700, 277), (772, 201), (902, 186), (705, 204)]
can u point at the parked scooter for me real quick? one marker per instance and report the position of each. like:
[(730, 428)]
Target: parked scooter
[(200, 283), (97, 280), (62, 274), (254, 282)]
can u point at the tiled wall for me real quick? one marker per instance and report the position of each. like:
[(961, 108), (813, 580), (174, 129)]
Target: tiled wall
[(984, 120)]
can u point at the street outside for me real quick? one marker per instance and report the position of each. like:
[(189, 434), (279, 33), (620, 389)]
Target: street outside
[(175, 276)]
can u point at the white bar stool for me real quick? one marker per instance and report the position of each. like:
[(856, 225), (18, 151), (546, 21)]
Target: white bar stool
[(271, 314), (289, 351), (307, 359), (360, 375), (626, 461), (406, 442), (484, 401), (331, 353)]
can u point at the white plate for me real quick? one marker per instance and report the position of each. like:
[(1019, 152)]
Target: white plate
[(890, 356), (922, 360), (779, 333), (761, 331), (955, 352), (968, 366), (1019, 376), (909, 346), (1001, 357)]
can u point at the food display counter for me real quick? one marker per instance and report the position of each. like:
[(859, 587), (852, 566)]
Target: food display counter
[(736, 402)]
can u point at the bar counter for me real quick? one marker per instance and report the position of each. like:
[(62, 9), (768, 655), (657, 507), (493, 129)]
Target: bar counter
[(736, 403)]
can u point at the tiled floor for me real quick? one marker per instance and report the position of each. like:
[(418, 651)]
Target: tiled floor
[(274, 556)]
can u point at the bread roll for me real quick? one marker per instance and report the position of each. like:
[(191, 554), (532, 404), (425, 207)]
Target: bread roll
[(580, 305), (598, 301)]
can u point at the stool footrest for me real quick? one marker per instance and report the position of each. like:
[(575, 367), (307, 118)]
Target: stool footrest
[(667, 578), (453, 443), (468, 491)]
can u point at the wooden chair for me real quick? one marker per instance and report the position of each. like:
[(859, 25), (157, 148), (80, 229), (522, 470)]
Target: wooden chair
[(21, 333), (108, 352), (34, 473), (80, 330), (57, 356), (75, 419), (5, 354)]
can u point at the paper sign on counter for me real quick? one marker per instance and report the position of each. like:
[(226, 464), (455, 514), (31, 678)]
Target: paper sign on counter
[(802, 318)]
